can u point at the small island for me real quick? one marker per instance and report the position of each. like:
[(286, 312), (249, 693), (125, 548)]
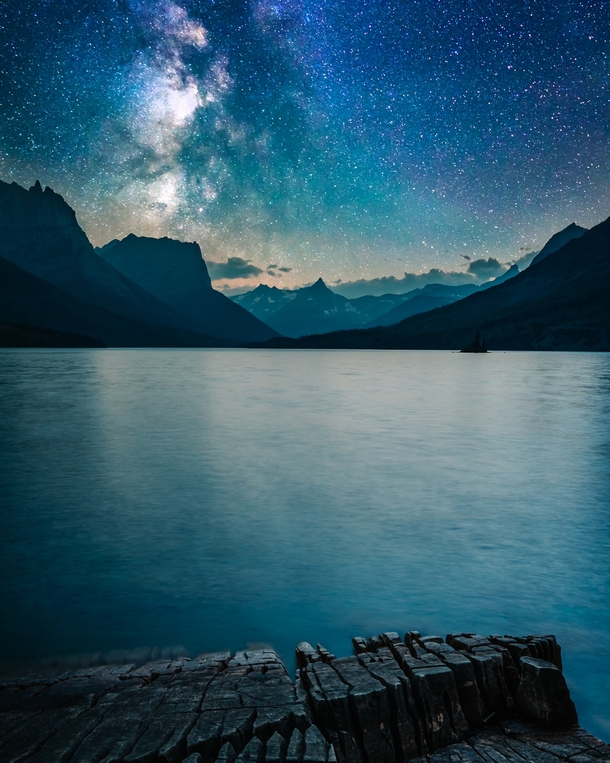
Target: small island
[(476, 346)]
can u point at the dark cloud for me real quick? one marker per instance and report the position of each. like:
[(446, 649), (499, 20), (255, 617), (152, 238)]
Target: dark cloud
[(273, 270), (490, 268), (410, 281), (466, 257), (235, 267)]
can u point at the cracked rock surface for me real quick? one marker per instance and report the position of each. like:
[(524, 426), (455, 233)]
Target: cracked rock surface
[(496, 699)]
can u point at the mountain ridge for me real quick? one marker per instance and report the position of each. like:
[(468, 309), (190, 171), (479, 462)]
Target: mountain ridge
[(26, 299), (175, 273), (560, 302), (39, 232)]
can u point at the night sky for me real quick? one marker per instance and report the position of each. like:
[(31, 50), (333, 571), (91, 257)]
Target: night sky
[(345, 139)]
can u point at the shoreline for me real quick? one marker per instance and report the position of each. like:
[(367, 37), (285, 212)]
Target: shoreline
[(465, 698)]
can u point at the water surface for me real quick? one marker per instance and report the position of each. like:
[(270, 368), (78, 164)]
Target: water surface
[(214, 498)]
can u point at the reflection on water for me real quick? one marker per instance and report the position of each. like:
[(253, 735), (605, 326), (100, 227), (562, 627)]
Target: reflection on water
[(210, 498)]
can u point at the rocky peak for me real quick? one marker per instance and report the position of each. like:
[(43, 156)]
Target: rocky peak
[(39, 230), (558, 240), (153, 261), (318, 287)]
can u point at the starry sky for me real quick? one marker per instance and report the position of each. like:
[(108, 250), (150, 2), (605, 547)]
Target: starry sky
[(348, 139)]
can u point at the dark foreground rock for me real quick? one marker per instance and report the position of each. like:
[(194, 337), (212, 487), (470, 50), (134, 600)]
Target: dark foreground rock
[(463, 699)]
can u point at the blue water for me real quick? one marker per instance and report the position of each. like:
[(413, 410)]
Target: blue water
[(213, 498)]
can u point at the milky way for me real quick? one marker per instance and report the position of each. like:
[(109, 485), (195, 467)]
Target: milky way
[(344, 139)]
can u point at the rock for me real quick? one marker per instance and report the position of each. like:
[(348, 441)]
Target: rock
[(515, 648), (275, 751), (407, 728), (390, 637), (361, 645), (227, 754), (306, 654), (369, 707), (488, 668), (466, 641), (317, 749), (543, 694), (296, 747), (325, 654), (439, 706), (467, 688), (329, 696), (253, 752), (391, 704)]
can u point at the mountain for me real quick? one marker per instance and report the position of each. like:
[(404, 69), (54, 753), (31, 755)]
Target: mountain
[(560, 302), (421, 300), (510, 273), (31, 309), (20, 335), (319, 309), (175, 273), (370, 306), (313, 310), (559, 240), (265, 301), (39, 233)]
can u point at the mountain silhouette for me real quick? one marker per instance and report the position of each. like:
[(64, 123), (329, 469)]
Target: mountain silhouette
[(39, 232), (175, 273), (560, 302), (39, 307), (265, 301), (421, 300), (21, 335), (317, 309), (314, 309), (510, 273), (558, 240)]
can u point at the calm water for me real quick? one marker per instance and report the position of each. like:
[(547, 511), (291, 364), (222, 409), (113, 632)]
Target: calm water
[(214, 498)]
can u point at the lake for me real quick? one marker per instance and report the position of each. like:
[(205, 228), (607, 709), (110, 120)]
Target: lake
[(207, 499)]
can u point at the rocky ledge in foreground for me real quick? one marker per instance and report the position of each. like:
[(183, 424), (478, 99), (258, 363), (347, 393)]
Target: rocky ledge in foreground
[(465, 699)]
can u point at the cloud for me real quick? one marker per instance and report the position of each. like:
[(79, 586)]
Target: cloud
[(490, 268), (235, 267), (410, 281), (284, 270), (525, 260), (466, 257)]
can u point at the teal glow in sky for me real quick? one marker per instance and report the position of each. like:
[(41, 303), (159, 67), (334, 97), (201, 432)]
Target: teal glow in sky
[(343, 139)]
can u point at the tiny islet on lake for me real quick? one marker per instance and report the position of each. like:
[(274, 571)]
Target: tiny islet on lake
[(214, 498)]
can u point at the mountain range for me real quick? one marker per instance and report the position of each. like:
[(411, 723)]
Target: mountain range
[(176, 274), (562, 301), (65, 285), (316, 309), (57, 290)]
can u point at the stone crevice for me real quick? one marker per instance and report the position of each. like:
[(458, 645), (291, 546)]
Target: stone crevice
[(463, 699)]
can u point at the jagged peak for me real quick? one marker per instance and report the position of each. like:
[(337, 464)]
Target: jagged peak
[(319, 285), (36, 188), (132, 238)]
